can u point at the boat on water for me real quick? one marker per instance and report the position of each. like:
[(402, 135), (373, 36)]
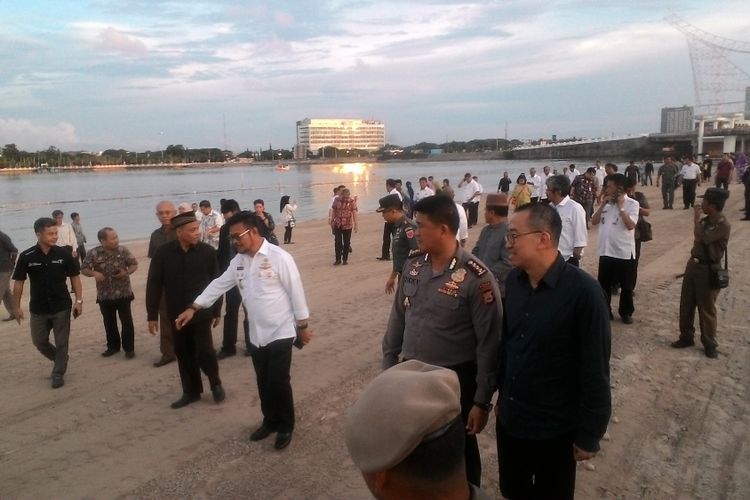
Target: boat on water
[(282, 168)]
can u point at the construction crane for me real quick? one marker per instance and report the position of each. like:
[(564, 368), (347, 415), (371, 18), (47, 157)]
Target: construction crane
[(720, 84)]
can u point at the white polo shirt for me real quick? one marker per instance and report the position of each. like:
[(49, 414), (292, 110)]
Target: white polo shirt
[(600, 175), (544, 177), (538, 185), (574, 233), (616, 240), (572, 175), (463, 223), (467, 190), (423, 193), (271, 290), (690, 172), (396, 192)]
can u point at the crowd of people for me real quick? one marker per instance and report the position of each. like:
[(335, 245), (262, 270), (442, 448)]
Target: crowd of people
[(516, 315)]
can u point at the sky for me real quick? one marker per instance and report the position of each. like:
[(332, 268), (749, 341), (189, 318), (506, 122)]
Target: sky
[(144, 74)]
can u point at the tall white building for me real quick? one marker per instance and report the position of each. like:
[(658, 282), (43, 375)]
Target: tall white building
[(341, 133), (676, 120)]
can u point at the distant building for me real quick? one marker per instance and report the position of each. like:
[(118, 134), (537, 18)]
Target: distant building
[(340, 133), (747, 103), (676, 120)]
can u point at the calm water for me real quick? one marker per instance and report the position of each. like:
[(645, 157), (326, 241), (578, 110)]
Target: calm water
[(125, 200)]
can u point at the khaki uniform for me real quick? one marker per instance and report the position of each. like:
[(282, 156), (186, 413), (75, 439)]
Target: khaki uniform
[(404, 242), (696, 286), (451, 319)]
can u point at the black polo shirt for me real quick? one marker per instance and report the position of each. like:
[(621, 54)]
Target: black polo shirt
[(554, 357), (48, 274)]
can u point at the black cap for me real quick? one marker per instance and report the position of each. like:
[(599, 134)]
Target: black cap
[(182, 219), (390, 201), (714, 194)]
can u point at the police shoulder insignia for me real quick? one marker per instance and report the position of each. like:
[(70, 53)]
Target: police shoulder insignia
[(476, 267), (415, 252)]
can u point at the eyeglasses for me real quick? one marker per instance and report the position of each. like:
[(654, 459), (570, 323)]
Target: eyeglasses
[(238, 237), (510, 238)]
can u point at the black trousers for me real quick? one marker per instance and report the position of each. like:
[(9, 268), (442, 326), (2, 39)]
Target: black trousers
[(472, 213), (342, 243), (288, 233), (272, 364), (231, 317), (110, 309), (722, 182), (688, 192), (467, 379), (82, 252), (531, 469), (385, 251), (613, 271), (637, 259), (194, 348), (747, 199)]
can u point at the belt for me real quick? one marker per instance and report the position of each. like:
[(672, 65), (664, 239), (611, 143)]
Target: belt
[(700, 261)]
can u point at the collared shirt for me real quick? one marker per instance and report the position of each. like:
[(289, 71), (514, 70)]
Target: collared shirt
[(7, 251), (537, 185), (544, 185), (504, 184), (208, 222), (78, 230), (615, 239), (271, 290), (572, 175), (159, 237), (180, 276), (690, 172), (668, 172), (574, 233), (554, 357), (463, 223), (714, 239), (344, 210), (447, 318), (491, 250), (404, 242), (601, 173), (583, 189), (48, 274), (66, 236), (423, 193), (398, 193), (467, 190), (478, 197), (109, 263)]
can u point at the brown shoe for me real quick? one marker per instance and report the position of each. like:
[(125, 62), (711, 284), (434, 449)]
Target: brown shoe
[(163, 361), (681, 344)]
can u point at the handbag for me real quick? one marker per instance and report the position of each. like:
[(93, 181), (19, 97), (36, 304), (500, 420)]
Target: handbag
[(718, 277), (291, 222), (643, 230)]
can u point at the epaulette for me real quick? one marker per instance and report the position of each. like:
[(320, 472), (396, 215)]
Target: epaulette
[(476, 267), (415, 253)]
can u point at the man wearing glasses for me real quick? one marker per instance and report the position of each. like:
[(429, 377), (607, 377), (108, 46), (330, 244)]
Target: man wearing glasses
[(553, 374)]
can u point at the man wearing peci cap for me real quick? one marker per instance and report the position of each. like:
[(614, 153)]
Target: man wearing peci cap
[(490, 247), (711, 237), (179, 271), (404, 240), (405, 435)]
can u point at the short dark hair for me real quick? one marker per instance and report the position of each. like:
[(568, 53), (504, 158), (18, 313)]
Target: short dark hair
[(102, 233), (501, 211), (618, 179), (255, 202), (204, 203), (629, 183), (718, 204), (246, 218), (543, 218), (57, 213), (391, 183), (229, 206), (74, 215), (43, 223), (591, 170), (440, 209), (611, 165), (439, 458), (559, 183), (423, 178)]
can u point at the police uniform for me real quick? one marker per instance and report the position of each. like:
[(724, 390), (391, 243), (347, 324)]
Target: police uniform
[(697, 290), (404, 243), (451, 319)]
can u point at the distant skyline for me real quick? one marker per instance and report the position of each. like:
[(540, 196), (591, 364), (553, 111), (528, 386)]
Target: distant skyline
[(144, 74)]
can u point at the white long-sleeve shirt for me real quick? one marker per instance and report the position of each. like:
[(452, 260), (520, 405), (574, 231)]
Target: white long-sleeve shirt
[(271, 290), (463, 223), (574, 233), (66, 236)]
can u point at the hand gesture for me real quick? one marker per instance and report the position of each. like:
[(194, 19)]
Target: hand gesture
[(184, 318)]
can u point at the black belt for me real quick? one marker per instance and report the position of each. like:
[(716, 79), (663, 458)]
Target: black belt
[(700, 261)]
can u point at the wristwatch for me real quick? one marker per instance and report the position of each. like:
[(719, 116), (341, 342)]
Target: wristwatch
[(484, 406), (79, 302)]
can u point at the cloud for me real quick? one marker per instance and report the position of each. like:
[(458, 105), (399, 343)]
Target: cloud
[(28, 135), (116, 41), (283, 19)]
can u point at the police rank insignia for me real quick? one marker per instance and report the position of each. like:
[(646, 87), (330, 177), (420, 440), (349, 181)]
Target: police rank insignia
[(459, 275), (476, 267)]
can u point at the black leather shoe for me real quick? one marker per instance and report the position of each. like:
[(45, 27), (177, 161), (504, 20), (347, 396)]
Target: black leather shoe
[(261, 433), (382, 258), (10, 318), (218, 393), (282, 440), (681, 344), (163, 361), (110, 352), (628, 320), (225, 354), (57, 382), (130, 354), (185, 400), (712, 353)]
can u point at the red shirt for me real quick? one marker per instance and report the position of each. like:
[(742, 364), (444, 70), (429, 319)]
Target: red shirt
[(343, 213), (724, 169)]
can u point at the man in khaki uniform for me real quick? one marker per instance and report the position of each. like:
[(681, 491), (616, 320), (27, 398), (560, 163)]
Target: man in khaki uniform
[(711, 238), (404, 240)]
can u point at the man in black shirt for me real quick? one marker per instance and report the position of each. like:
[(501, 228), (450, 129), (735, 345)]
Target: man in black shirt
[(164, 234), (504, 184), (48, 267), (8, 254), (179, 271), (554, 402)]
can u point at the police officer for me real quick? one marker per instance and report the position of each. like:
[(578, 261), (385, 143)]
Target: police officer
[(711, 238), (404, 236), (447, 313)]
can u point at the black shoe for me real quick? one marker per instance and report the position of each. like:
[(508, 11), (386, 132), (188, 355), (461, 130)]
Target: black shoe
[(282, 440), (110, 352), (57, 382), (225, 354), (344, 263), (744, 218), (261, 433), (218, 393), (628, 320), (681, 344), (185, 400), (337, 263), (383, 258), (163, 361), (712, 353), (10, 318), (130, 354)]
